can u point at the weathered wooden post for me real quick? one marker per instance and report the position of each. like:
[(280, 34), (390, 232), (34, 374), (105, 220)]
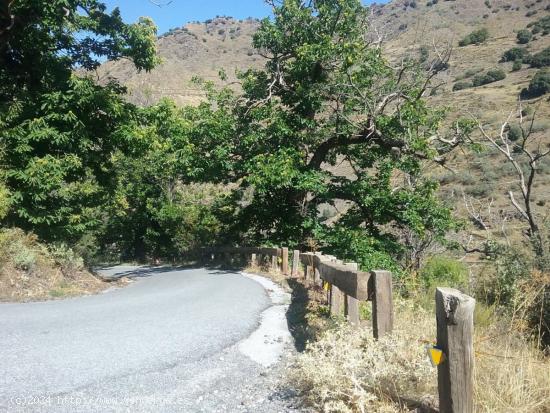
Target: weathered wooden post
[(284, 264), (295, 262), (336, 296), (455, 331), (316, 274), (274, 258), (337, 299), (382, 303), (253, 260), (351, 304)]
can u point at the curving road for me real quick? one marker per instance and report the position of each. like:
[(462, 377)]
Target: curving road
[(174, 340)]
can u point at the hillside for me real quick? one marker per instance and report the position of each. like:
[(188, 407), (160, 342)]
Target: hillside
[(225, 43)]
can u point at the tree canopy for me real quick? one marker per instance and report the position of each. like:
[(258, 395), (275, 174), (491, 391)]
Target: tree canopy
[(58, 130), (331, 123)]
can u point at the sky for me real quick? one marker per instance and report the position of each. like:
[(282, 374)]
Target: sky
[(180, 12)]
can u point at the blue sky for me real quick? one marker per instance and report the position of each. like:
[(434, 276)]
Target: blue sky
[(180, 12)]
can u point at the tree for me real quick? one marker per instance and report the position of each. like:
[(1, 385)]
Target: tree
[(329, 99), (59, 130), (524, 151), (166, 201), (526, 154)]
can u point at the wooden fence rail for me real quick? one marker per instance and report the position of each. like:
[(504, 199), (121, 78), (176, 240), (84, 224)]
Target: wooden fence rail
[(348, 287)]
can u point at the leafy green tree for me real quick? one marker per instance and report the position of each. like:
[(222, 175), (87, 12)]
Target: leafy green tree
[(160, 209), (59, 130), (331, 121)]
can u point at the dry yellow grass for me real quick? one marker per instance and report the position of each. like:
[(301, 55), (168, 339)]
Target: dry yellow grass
[(348, 371)]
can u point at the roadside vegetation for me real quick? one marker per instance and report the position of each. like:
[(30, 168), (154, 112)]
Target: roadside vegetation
[(87, 177)]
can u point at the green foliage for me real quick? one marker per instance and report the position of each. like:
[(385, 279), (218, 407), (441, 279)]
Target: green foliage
[(461, 85), (476, 37), (514, 132), (5, 201), (155, 207), (67, 259), (518, 64), (441, 271), (539, 84), (58, 130), (541, 25), (515, 54), (541, 59), (286, 132), (524, 36), (491, 76)]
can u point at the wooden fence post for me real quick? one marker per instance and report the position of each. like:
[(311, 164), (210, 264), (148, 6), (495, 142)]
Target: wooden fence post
[(274, 263), (337, 299), (455, 330), (382, 303), (284, 264), (295, 262), (351, 304), (316, 274)]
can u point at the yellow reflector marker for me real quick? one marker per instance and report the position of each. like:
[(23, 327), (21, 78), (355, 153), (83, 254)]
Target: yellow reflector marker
[(326, 286), (435, 355)]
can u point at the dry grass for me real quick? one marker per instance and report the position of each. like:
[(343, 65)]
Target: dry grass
[(348, 371), (29, 271)]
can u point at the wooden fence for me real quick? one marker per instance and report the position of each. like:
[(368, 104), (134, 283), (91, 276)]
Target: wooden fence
[(347, 286)]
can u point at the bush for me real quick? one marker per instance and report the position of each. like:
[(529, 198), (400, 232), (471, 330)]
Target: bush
[(541, 25), (66, 258), (491, 76), (475, 37), (539, 85), (24, 259), (461, 85), (541, 59), (517, 65), (524, 36), (514, 132), (444, 272), (515, 53)]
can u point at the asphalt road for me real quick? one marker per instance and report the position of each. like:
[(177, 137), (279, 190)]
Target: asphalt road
[(174, 340)]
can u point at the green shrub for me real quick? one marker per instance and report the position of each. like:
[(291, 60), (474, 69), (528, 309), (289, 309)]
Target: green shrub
[(491, 76), (515, 53), (541, 59), (461, 85), (475, 37), (514, 132), (539, 85), (517, 65), (441, 271), (24, 259), (66, 258), (541, 25), (524, 36)]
